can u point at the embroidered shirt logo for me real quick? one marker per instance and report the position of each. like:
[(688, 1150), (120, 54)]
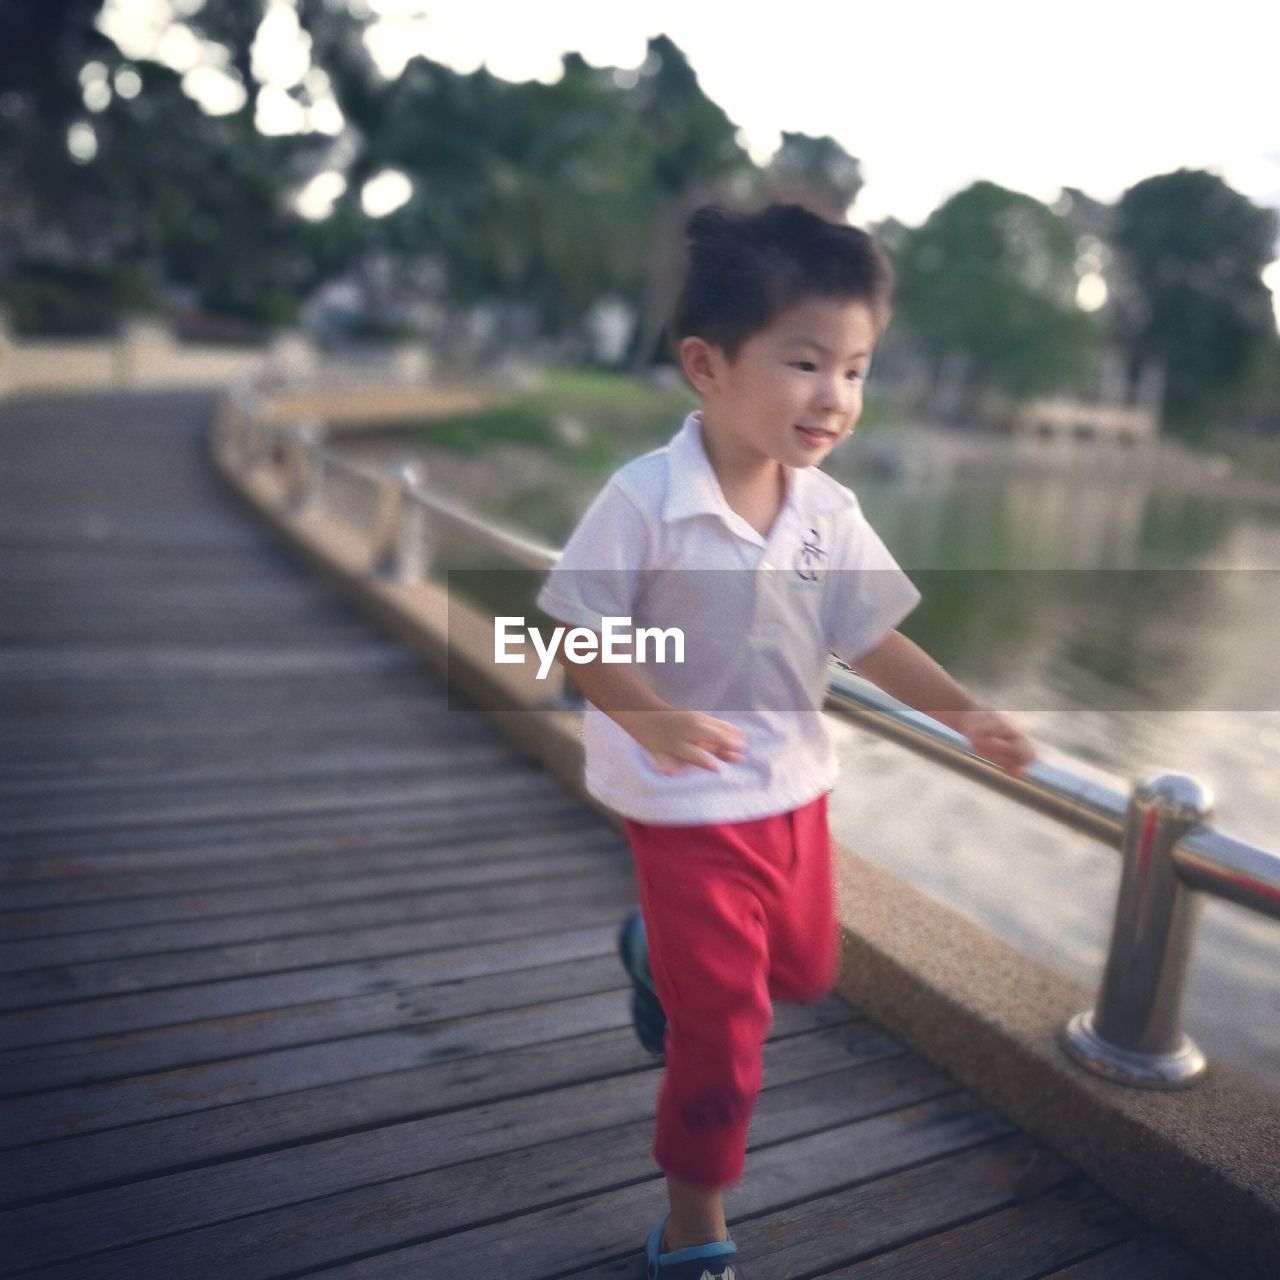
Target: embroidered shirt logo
[(809, 558)]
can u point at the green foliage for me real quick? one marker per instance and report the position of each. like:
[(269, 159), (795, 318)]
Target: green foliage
[(587, 420), (481, 429), (991, 275), (57, 298), (546, 193), (1194, 251)]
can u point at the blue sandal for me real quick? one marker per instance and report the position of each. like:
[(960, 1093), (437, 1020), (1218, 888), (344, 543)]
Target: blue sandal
[(647, 1016), (717, 1261)]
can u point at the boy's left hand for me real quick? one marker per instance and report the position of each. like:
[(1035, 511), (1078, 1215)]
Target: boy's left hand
[(996, 738)]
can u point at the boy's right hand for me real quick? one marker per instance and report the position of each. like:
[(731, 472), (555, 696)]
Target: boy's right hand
[(678, 739)]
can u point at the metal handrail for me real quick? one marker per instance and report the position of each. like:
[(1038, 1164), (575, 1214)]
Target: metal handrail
[(1172, 856), (525, 552), (1208, 860)]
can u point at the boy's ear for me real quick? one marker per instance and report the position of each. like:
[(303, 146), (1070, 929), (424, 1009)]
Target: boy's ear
[(701, 362)]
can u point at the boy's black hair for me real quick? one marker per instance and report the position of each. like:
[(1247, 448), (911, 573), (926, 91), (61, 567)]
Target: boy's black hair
[(746, 268)]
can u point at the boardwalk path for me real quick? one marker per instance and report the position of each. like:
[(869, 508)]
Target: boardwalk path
[(306, 972)]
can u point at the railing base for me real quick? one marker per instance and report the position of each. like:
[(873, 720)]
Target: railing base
[(1174, 1070)]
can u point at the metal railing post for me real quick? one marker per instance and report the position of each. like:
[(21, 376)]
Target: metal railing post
[(1134, 1036), (414, 552), (302, 467), (399, 544)]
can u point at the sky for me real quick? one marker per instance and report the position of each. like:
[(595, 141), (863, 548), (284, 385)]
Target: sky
[(929, 95)]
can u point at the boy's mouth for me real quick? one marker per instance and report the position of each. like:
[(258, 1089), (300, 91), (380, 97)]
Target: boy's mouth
[(816, 436)]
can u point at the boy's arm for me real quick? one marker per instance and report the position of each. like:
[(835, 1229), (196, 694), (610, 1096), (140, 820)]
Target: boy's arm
[(675, 738), (904, 671)]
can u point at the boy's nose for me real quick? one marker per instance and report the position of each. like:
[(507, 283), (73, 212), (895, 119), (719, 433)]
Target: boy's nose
[(837, 395)]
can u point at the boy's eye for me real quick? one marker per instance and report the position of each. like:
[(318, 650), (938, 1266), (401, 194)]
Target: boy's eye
[(805, 366), (855, 375)]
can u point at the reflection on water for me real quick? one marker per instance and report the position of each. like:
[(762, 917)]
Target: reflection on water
[(1130, 629)]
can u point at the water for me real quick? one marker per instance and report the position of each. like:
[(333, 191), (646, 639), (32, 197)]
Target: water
[(1129, 629)]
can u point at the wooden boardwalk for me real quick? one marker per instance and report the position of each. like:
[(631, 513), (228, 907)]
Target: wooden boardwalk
[(304, 971)]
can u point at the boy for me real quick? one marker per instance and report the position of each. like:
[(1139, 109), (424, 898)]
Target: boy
[(720, 765)]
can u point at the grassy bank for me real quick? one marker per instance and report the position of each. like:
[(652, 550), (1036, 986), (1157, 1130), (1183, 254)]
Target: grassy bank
[(585, 420)]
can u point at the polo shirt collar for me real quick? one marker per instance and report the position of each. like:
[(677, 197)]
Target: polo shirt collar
[(692, 487)]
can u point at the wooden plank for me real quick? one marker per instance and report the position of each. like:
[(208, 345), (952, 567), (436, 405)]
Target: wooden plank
[(66, 566), (324, 796), (173, 1143), (482, 846), (612, 1222), (801, 1088), (319, 880), (99, 1059), (146, 626), (116, 767), (250, 762), (211, 709), (81, 741), (383, 692), (1066, 1223), (133, 803), (243, 998), (179, 760), (88, 805), (290, 1070), (1043, 1230), (67, 706), (523, 1181), (535, 893), (135, 666), (522, 804), (129, 1101), (592, 903), (1146, 1257)]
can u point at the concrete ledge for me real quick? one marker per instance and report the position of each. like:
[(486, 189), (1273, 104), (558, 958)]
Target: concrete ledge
[(1203, 1165), (347, 407)]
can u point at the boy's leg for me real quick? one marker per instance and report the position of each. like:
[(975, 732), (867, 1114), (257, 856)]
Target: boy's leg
[(709, 959), (804, 932), (697, 1216)]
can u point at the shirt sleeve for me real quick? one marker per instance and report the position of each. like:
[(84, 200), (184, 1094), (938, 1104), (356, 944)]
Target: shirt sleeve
[(598, 573), (867, 594)]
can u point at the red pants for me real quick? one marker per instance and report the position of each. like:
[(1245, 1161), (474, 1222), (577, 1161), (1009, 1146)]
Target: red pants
[(737, 914)]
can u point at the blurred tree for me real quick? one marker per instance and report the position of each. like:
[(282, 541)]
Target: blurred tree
[(987, 285), (1255, 403), (193, 199), (1193, 251), (692, 156), (816, 172), (203, 199), (691, 140), (42, 48)]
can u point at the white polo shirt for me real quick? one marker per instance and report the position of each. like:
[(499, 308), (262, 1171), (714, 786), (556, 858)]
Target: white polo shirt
[(661, 546)]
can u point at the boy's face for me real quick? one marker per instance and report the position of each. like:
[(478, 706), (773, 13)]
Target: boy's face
[(794, 391)]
